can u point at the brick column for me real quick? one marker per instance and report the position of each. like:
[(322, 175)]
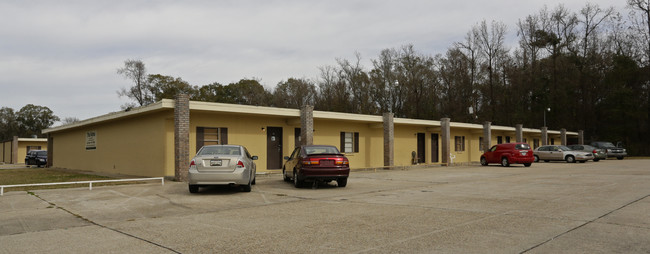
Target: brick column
[(445, 135), (581, 137), (50, 151), (307, 125), (181, 137), (487, 135), (519, 133), (389, 140), (544, 136), (563, 136)]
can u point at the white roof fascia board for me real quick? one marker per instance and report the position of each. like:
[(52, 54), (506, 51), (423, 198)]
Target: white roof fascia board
[(32, 140), (243, 109), (347, 117), (111, 116), (407, 121)]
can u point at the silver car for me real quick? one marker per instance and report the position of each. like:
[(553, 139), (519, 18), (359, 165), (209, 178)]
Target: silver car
[(222, 165), (560, 153), (599, 154)]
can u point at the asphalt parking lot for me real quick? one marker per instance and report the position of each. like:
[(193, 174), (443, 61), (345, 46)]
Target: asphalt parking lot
[(594, 207)]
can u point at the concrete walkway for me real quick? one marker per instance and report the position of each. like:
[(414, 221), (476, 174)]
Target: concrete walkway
[(595, 207)]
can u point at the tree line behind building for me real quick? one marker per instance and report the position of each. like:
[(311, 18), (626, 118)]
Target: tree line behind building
[(591, 67)]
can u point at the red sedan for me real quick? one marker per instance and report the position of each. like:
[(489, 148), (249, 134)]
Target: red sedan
[(507, 154), (316, 163)]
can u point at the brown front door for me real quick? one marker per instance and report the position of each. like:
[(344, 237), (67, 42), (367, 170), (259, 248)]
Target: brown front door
[(421, 148), (274, 148)]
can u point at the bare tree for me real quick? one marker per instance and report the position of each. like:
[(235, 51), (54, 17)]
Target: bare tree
[(642, 25), (135, 71), (470, 49), (491, 43), (69, 120)]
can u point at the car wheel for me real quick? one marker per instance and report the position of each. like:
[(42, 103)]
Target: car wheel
[(484, 161), (596, 160), (620, 158), (296, 182), (342, 182), (247, 188), (284, 176), (254, 178), (193, 188), (505, 162), (570, 159), (536, 158), (527, 164), (546, 160)]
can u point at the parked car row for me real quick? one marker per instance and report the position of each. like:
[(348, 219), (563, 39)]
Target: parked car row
[(611, 150), (521, 153), (233, 165)]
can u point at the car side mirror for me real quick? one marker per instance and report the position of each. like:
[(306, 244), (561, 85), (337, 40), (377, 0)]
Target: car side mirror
[(286, 157), (254, 157)]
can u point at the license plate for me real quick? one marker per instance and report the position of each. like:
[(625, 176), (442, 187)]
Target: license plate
[(524, 153), (215, 163)]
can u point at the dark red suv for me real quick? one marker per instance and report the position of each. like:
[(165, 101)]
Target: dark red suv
[(316, 163), (509, 153)]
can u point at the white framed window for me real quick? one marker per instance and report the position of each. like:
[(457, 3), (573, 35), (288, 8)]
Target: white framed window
[(349, 142), (459, 142)]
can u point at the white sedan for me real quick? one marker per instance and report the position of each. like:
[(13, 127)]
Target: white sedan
[(222, 165)]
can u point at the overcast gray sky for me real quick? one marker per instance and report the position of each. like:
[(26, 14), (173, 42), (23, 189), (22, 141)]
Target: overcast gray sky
[(64, 54)]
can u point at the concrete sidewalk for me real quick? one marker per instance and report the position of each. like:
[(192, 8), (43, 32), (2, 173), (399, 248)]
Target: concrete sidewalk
[(601, 207)]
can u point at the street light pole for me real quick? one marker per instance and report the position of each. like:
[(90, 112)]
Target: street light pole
[(549, 110)]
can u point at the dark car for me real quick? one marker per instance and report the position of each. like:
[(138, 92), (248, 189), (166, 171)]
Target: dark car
[(612, 150), (316, 163), (36, 157), (509, 153)]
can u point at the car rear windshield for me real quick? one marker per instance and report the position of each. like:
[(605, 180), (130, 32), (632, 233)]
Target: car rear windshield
[(607, 145), (321, 150), (522, 147), (220, 150)]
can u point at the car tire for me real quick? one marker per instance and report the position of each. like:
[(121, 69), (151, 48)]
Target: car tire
[(247, 188), (194, 188), (527, 164), (254, 178), (536, 158), (620, 158), (505, 162), (342, 182), (546, 160), (296, 182), (570, 159), (484, 161), (284, 176), (596, 160)]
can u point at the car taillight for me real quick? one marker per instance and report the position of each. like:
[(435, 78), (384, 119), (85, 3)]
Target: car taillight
[(192, 164), (341, 161), (595, 151), (311, 162), (240, 164)]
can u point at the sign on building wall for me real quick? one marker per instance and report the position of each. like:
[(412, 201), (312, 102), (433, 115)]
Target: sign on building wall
[(91, 140)]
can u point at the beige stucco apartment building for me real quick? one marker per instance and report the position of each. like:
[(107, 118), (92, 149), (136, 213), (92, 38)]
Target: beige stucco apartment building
[(14, 151), (161, 138)]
